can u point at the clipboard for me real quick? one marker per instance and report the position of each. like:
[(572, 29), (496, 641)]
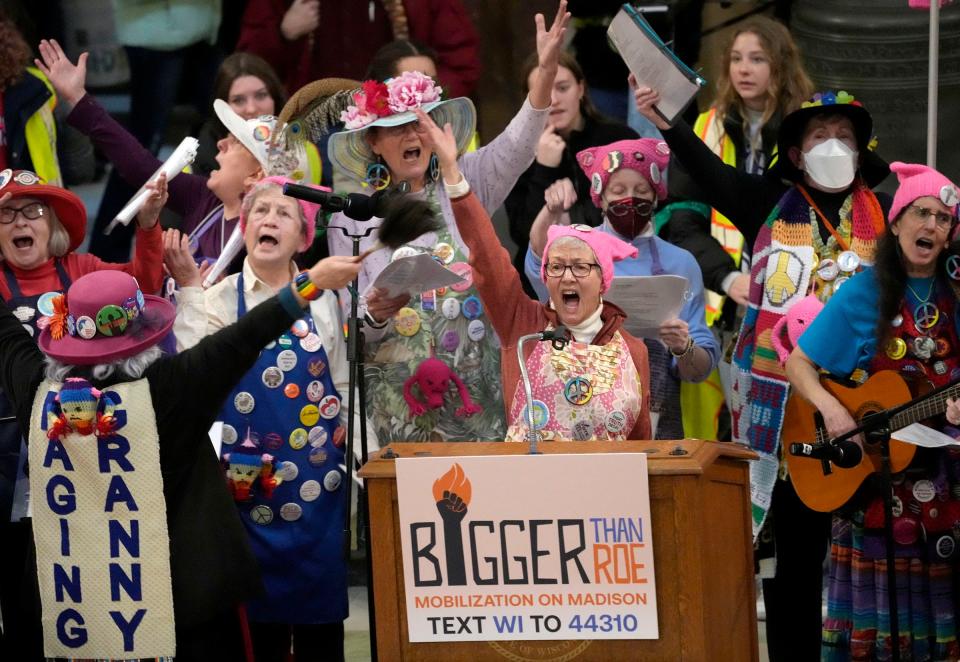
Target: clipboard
[(653, 64)]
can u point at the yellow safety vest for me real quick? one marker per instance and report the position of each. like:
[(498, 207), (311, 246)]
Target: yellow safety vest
[(41, 135), (711, 132)]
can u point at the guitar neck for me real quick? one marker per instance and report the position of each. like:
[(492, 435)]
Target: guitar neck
[(931, 406)]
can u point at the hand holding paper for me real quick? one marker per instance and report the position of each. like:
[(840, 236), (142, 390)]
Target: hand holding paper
[(653, 65), (182, 156), (649, 301), (413, 275)]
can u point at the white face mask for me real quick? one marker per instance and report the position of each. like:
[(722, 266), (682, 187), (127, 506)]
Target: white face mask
[(831, 165)]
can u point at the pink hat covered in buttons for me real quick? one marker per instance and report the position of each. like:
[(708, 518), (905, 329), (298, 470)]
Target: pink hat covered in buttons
[(647, 156), (605, 246), (918, 181)]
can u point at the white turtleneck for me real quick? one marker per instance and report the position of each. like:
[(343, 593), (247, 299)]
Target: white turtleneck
[(588, 329)]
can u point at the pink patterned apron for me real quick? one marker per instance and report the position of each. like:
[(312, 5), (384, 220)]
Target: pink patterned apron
[(580, 392)]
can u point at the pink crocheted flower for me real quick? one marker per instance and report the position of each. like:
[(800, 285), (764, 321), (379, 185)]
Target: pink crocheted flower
[(354, 118), (410, 90)]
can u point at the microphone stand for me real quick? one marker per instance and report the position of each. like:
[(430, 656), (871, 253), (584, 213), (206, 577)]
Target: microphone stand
[(532, 435), (558, 338), (876, 430), (357, 403)]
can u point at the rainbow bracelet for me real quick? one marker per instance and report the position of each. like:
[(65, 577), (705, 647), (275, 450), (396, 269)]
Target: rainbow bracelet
[(305, 287)]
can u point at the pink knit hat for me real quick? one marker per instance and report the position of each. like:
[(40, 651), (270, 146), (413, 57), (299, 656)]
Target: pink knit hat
[(309, 209), (606, 247), (917, 181), (647, 156)]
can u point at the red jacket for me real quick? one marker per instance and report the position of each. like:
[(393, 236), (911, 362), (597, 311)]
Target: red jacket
[(515, 314), (347, 38)]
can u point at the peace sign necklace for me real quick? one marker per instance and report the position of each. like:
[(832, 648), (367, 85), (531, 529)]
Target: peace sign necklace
[(926, 314)]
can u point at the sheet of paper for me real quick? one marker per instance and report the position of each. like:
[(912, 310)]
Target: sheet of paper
[(921, 435), (216, 436), (648, 301), (653, 64), (414, 274)]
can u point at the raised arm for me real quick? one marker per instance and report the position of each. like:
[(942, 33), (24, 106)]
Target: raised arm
[(132, 160), (147, 264), (744, 198), (493, 169), (511, 311)]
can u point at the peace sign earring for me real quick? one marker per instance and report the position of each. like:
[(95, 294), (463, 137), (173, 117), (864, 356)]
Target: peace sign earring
[(953, 267), (377, 176)]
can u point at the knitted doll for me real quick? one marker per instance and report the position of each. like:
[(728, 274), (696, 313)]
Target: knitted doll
[(78, 409), (433, 376)]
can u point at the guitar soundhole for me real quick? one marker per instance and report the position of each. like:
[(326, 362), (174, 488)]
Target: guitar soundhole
[(863, 411), (866, 409)]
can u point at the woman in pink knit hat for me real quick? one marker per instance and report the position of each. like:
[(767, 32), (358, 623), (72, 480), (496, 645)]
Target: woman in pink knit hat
[(595, 387), (627, 184), (899, 315)]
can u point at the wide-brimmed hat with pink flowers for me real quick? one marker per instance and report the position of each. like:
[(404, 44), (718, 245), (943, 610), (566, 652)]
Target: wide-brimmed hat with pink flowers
[(392, 104)]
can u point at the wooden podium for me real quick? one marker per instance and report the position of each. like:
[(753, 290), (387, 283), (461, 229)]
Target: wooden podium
[(703, 552)]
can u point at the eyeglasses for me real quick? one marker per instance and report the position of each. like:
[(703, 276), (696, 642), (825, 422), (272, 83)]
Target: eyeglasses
[(31, 212), (642, 208), (579, 270), (400, 129), (943, 219)]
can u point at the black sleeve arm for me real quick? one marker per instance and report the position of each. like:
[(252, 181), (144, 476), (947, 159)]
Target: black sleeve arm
[(743, 198), (526, 200), (196, 382), (21, 366)]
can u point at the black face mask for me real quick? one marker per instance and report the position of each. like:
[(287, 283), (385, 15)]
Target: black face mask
[(630, 216)]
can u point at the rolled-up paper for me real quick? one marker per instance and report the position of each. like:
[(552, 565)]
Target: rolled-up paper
[(182, 156), (229, 252)]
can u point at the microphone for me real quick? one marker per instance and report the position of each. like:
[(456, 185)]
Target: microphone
[(559, 336), (357, 206), (845, 454)]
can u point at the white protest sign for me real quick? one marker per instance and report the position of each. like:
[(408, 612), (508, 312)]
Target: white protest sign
[(527, 547), (100, 525)]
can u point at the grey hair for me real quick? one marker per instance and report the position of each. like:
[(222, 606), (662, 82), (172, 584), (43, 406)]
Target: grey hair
[(260, 187), (568, 241), (59, 242), (132, 366)]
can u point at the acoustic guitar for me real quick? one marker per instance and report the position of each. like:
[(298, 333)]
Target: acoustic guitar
[(825, 492)]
